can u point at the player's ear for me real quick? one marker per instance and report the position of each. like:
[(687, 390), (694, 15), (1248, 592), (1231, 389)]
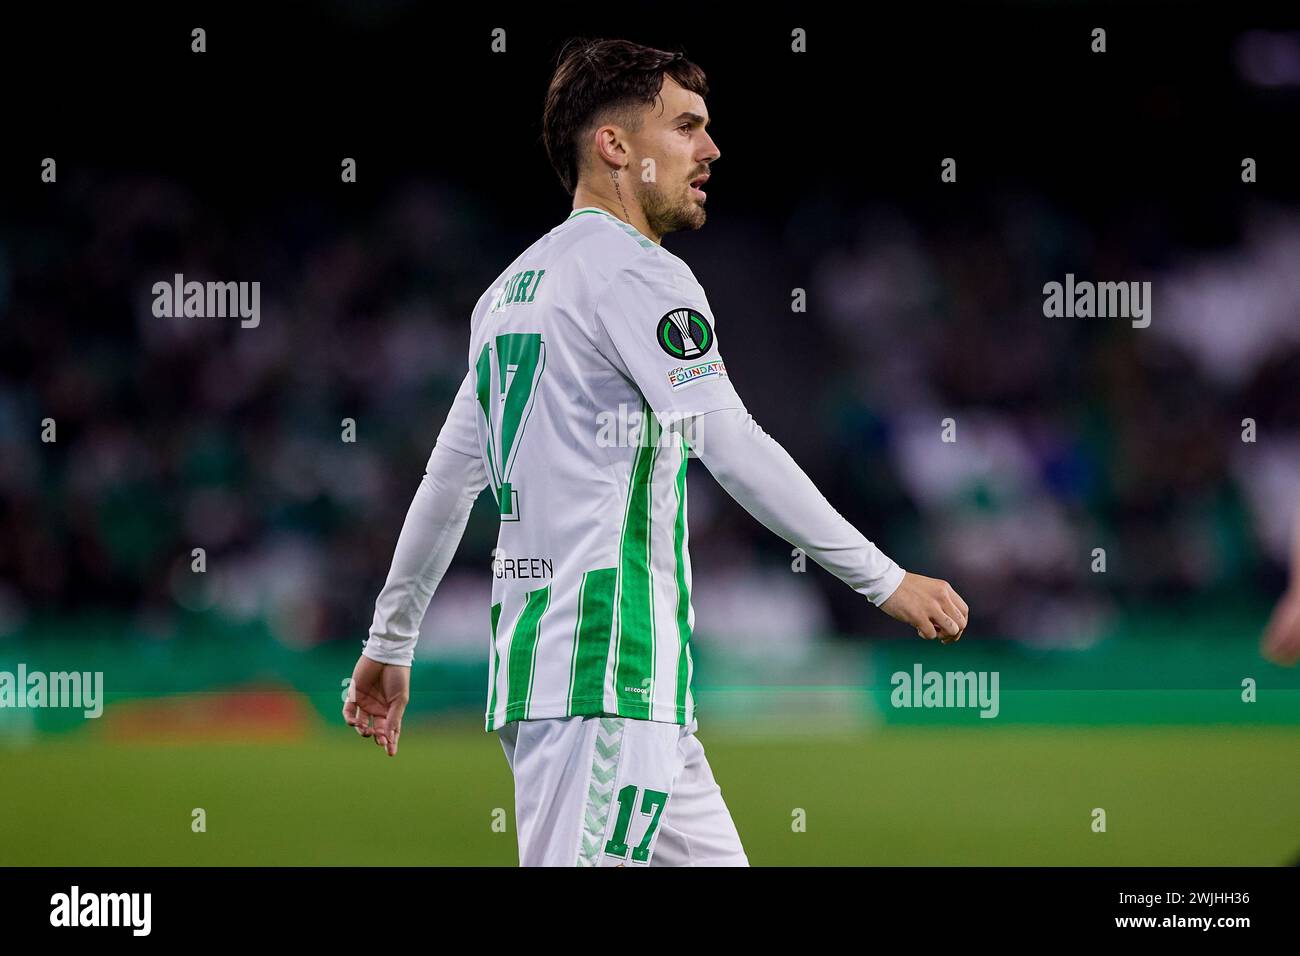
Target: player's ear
[(611, 146)]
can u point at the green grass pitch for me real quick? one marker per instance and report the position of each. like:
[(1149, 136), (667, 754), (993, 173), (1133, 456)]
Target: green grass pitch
[(900, 796)]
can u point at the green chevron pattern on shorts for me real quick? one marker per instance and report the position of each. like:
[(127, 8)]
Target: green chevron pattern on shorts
[(600, 791)]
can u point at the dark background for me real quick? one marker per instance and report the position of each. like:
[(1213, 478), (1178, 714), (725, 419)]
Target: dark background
[(1123, 165)]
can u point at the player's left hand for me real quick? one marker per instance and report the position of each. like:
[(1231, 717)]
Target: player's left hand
[(929, 605), (378, 692), (1281, 643)]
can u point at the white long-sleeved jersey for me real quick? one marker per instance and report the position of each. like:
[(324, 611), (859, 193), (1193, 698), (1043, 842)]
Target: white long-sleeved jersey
[(593, 364)]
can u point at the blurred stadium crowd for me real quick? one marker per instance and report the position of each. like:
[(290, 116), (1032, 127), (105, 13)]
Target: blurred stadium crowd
[(1072, 434)]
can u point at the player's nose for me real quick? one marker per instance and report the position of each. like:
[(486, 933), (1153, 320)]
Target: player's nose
[(711, 154)]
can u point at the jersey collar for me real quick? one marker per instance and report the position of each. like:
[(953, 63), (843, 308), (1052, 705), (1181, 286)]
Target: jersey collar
[(604, 212), (586, 209)]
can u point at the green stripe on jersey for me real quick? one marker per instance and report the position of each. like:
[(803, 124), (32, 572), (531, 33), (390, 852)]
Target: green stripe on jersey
[(683, 592), (483, 389), (591, 637), (496, 664), (634, 656), (523, 655)]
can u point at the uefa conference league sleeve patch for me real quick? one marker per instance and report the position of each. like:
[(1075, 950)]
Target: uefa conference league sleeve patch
[(686, 335)]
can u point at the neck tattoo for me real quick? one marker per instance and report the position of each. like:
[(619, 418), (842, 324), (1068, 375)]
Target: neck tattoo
[(613, 174)]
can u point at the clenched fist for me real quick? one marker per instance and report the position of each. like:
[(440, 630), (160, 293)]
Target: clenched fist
[(929, 605)]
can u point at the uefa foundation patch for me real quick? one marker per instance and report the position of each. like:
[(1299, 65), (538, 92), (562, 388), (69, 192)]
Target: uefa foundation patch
[(685, 375)]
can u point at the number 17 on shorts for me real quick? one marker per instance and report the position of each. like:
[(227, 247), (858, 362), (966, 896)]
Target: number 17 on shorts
[(652, 805)]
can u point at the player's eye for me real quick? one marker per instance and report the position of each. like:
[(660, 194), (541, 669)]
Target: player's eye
[(685, 126)]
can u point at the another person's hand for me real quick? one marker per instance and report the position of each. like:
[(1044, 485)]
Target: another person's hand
[(1281, 642), (929, 605), (378, 692)]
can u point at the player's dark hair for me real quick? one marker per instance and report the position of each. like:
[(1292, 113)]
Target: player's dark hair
[(600, 79)]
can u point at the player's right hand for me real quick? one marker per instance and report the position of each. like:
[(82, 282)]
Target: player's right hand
[(379, 692), (929, 605)]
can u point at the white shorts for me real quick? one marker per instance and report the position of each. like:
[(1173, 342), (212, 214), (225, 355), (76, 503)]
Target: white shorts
[(616, 791)]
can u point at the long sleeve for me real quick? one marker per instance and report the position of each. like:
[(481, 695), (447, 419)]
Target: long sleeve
[(430, 535), (756, 471)]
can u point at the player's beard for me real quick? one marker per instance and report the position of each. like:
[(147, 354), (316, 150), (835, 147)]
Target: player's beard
[(665, 214)]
